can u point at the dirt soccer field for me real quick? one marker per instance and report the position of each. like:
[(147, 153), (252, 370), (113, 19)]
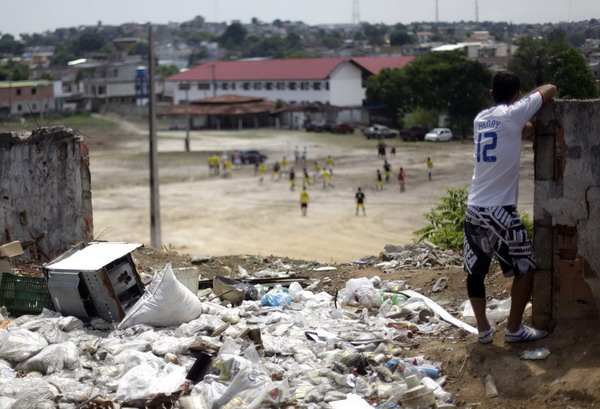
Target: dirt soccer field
[(217, 216)]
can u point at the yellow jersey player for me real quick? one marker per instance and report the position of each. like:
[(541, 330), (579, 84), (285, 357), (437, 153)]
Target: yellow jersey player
[(429, 164), (360, 201), (304, 201)]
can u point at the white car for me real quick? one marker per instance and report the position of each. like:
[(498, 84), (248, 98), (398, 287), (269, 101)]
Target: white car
[(439, 135)]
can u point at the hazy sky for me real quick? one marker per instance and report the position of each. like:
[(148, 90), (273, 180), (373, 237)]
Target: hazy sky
[(36, 16)]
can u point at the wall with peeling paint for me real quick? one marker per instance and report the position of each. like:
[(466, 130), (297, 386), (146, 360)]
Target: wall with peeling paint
[(567, 211), (45, 190)]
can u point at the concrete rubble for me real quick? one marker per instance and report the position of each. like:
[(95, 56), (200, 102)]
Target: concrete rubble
[(307, 350), (419, 255)]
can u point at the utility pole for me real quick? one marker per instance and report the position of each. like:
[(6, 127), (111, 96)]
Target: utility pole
[(214, 80), (185, 86), (155, 235)]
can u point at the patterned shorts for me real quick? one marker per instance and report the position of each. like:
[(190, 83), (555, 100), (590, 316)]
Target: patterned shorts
[(496, 230)]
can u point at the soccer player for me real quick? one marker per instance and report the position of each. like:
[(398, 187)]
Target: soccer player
[(360, 201), (429, 164), (304, 201)]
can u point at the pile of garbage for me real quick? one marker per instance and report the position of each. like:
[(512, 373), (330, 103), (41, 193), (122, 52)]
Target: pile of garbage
[(261, 347), (421, 255)]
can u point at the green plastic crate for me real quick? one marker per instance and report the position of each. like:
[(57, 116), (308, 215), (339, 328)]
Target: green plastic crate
[(24, 295)]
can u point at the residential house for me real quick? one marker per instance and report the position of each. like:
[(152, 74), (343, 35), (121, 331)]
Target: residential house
[(110, 82), (26, 97)]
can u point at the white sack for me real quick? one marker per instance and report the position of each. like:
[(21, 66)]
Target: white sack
[(53, 358), (146, 375), (166, 302), (19, 344)]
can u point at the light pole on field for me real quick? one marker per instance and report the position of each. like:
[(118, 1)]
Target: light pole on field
[(185, 86)]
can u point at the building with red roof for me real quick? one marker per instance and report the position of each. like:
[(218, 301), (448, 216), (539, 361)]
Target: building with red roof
[(332, 81)]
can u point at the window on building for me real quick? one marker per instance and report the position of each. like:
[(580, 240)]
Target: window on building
[(33, 107), (233, 85), (246, 86), (268, 86), (327, 85), (101, 90), (224, 85), (304, 86), (203, 86), (18, 91), (115, 72), (280, 85), (292, 86), (33, 91), (316, 86), (19, 107), (258, 86)]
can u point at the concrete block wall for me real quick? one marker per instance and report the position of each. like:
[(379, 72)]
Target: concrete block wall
[(567, 212), (45, 190)]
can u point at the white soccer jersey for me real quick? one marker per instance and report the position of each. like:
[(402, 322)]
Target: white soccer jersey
[(497, 134)]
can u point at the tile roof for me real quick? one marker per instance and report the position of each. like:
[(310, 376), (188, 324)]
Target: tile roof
[(260, 107), (226, 99), (375, 64), (291, 69)]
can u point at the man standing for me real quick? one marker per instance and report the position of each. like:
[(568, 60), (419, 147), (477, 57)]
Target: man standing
[(304, 201), (387, 171), (429, 164), (401, 179), (492, 224), (360, 201)]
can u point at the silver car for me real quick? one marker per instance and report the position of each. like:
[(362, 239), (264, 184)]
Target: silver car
[(439, 135)]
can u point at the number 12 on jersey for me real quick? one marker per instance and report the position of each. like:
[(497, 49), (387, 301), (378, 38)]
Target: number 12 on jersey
[(484, 146)]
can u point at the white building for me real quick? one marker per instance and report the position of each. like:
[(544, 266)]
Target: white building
[(333, 81)]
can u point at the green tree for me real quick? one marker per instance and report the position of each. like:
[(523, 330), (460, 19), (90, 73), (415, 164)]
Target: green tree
[(167, 70), (233, 37), (14, 71), (392, 88), (8, 45), (400, 37), (89, 41), (553, 60), (573, 77)]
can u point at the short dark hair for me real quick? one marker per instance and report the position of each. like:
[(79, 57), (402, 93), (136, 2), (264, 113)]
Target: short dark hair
[(504, 86)]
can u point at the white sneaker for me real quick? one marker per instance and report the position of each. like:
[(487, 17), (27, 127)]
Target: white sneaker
[(524, 334)]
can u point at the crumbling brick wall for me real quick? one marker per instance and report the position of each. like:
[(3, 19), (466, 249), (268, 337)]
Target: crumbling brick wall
[(45, 190), (567, 211)]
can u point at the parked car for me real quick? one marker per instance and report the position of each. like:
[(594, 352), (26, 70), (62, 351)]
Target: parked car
[(341, 128), (439, 135), (414, 133), (252, 157), (317, 127), (378, 132)]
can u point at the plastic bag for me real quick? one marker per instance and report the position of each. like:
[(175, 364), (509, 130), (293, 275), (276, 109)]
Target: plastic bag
[(52, 333), (362, 292), (145, 375), (19, 344), (275, 299), (165, 303), (53, 358), (229, 377), (205, 323)]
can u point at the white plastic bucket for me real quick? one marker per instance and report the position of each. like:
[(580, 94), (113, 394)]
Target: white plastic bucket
[(188, 276)]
